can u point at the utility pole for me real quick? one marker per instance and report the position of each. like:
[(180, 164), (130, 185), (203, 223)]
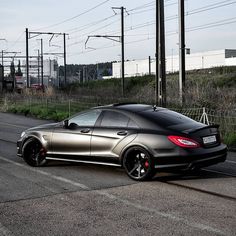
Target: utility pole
[(65, 75), (162, 53), (161, 57), (30, 35), (41, 41), (122, 53), (157, 87), (122, 50), (2, 75), (149, 65), (2, 72), (38, 67), (27, 57), (2, 57), (120, 40), (181, 52)]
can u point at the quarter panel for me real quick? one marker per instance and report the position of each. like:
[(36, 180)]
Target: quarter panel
[(107, 142), (158, 145)]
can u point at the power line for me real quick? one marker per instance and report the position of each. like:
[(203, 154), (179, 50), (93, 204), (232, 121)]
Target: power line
[(146, 24), (17, 40), (195, 28), (76, 16), (210, 7), (86, 26)]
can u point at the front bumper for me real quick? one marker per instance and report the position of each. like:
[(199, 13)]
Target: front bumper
[(19, 148)]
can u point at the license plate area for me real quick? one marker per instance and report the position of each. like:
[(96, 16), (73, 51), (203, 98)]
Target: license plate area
[(209, 139)]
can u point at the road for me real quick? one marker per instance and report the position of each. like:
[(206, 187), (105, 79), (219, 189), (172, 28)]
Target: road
[(78, 199)]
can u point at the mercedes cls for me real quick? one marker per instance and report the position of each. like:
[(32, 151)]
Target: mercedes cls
[(142, 139)]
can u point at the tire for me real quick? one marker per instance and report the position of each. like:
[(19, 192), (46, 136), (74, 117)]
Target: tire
[(138, 164), (34, 153)]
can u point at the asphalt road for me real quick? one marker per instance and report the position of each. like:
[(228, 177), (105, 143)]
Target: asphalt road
[(78, 199)]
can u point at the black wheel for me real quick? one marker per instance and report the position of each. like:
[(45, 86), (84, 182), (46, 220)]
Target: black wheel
[(34, 153), (138, 164)]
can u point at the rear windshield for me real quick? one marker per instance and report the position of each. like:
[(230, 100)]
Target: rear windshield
[(166, 118)]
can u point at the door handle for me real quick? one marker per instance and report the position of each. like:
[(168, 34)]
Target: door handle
[(122, 133), (84, 131)]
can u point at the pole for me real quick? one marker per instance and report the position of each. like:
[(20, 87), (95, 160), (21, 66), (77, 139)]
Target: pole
[(38, 67), (181, 52), (41, 40), (27, 57), (65, 75), (122, 52), (2, 72), (162, 53), (157, 56), (2, 57), (149, 65)]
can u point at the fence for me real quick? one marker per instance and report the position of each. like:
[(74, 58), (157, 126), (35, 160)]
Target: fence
[(226, 119), (61, 107)]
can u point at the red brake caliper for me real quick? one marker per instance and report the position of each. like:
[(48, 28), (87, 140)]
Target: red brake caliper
[(42, 152), (146, 164)]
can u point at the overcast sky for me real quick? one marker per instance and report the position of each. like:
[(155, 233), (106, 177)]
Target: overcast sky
[(210, 25)]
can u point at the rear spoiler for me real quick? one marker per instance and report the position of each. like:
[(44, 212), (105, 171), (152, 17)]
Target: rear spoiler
[(190, 131)]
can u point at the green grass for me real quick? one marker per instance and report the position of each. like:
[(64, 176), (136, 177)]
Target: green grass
[(230, 139)]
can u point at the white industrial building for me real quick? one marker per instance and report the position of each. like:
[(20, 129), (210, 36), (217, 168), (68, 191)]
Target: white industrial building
[(200, 60)]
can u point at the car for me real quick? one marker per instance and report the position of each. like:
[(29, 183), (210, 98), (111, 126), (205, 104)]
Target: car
[(143, 139), (38, 87)]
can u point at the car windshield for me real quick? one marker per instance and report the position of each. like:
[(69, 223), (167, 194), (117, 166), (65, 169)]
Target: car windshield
[(166, 118)]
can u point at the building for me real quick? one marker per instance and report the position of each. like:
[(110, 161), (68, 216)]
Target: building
[(201, 60), (50, 72)]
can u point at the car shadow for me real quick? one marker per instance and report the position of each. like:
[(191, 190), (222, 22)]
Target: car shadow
[(188, 175), (160, 176)]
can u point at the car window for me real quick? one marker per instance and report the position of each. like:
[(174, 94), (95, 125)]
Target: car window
[(86, 119), (166, 118), (116, 119)]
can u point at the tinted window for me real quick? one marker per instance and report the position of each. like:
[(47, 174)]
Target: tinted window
[(166, 118), (86, 119), (116, 119)]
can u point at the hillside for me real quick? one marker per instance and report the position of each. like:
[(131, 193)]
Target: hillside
[(213, 88)]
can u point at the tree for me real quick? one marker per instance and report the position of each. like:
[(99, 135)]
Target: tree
[(19, 73), (12, 70)]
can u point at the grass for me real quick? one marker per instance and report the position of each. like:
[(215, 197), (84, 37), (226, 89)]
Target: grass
[(230, 140)]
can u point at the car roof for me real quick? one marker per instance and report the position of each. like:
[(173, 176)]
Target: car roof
[(132, 107)]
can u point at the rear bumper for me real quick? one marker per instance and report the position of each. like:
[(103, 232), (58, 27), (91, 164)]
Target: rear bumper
[(197, 159), (194, 164)]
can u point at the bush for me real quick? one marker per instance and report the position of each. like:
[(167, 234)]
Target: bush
[(230, 139)]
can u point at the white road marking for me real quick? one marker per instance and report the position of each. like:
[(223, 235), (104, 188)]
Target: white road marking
[(234, 162), (12, 125), (124, 201), (47, 174), (4, 231)]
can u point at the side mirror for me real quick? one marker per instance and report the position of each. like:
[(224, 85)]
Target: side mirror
[(66, 123)]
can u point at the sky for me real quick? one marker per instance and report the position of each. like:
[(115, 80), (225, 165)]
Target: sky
[(210, 25)]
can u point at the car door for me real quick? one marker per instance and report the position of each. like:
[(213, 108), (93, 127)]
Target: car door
[(114, 128), (75, 138)]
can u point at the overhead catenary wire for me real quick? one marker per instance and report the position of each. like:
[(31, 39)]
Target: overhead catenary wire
[(170, 33), (74, 17), (148, 7), (147, 24), (173, 17)]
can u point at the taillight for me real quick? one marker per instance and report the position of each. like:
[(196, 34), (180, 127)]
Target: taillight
[(183, 142)]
